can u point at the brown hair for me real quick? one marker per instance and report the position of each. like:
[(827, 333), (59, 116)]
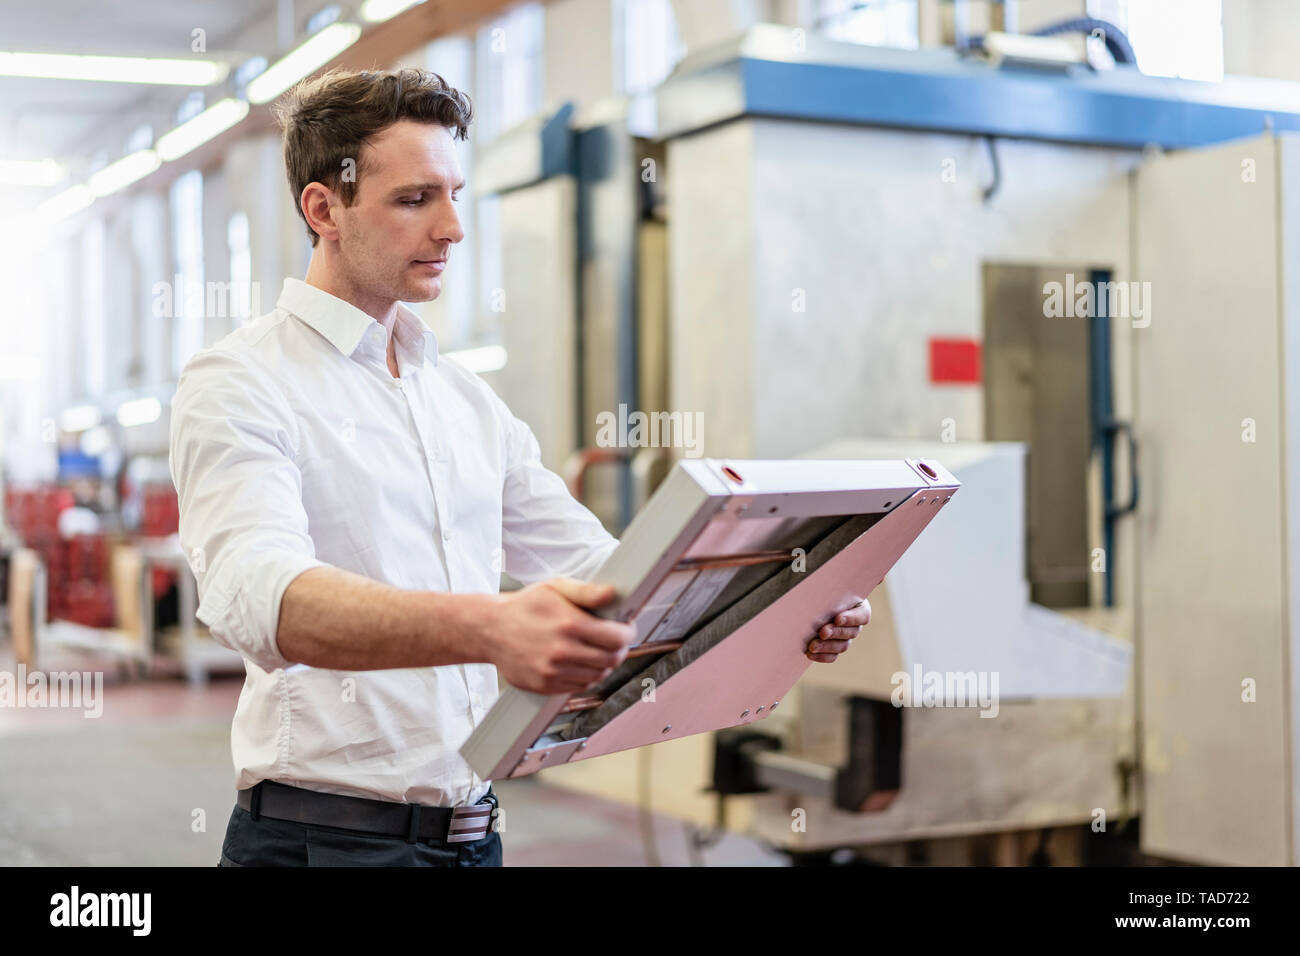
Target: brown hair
[(327, 120)]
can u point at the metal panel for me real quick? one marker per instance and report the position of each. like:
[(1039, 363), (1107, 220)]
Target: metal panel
[(1289, 263), (1212, 611), (811, 263), (1036, 390), (716, 509), (981, 620), (607, 225), (743, 678), (538, 328), (536, 149)]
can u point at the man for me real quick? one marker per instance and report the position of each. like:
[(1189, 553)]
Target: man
[(348, 499)]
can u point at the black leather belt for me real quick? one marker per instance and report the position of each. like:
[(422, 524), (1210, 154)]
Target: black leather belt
[(413, 821)]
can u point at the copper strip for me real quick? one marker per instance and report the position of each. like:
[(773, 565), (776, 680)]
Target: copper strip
[(653, 647), (575, 704), (733, 561)]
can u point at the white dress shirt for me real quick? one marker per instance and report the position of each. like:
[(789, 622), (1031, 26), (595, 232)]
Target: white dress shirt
[(293, 446)]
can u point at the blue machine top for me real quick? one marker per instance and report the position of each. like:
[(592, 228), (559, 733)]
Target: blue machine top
[(772, 71)]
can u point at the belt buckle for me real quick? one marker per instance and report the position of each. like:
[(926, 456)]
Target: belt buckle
[(470, 823)]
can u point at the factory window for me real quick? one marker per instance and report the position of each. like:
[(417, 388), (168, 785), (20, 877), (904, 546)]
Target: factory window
[(239, 244), (509, 70), (93, 306), (491, 275), (873, 22), (651, 45), (188, 298), (1170, 37)]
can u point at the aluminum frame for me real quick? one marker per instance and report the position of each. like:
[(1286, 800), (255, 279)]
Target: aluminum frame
[(673, 574)]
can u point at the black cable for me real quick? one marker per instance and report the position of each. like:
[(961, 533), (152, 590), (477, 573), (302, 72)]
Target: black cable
[(1117, 44), (991, 189)]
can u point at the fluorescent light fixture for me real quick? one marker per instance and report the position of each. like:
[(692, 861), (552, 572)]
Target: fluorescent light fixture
[(377, 11), (113, 69), (302, 61), (213, 121), (489, 358), (95, 441), (124, 172), (138, 411), (65, 204), (79, 418), (29, 172)]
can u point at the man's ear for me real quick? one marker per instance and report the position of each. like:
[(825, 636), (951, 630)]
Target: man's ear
[(318, 204)]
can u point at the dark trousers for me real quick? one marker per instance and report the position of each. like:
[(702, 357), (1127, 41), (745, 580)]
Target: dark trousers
[(267, 842)]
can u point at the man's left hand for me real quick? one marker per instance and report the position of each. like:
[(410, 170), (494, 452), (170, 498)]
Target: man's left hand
[(835, 637)]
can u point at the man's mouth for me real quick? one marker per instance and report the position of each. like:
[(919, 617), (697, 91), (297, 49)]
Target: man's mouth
[(434, 266)]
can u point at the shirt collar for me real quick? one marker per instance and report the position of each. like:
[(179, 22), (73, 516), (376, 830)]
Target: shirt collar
[(345, 326)]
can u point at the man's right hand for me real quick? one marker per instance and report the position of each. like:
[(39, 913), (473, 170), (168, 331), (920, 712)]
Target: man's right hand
[(543, 641)]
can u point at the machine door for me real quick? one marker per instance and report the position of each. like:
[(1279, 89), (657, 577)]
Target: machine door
[(1213, 688)]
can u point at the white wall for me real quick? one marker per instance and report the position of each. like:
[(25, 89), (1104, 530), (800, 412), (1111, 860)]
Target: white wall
[(1259, 38), (577, 52)]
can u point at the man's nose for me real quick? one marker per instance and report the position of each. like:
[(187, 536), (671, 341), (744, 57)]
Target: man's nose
[(448, 228)]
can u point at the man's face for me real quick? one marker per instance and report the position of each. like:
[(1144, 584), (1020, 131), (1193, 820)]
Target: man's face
[(396, 237)]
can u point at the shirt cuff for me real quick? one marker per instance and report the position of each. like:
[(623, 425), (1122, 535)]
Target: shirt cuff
[(241, 606)]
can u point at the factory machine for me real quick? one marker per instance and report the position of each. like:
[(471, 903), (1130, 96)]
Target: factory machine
[(1076, 288)]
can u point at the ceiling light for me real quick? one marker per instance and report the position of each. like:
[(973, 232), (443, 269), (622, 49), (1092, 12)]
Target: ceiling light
[(113, 69), (65, 204), (96, 441), (193, 133), (138, 411), (377, 11), (79, 418), (302, 61), (124, 172)]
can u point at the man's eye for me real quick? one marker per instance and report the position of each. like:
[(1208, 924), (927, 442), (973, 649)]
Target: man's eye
[(413, 202)]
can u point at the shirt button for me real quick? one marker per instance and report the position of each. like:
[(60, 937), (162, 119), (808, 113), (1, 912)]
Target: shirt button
[(446, 534), (476, 700)]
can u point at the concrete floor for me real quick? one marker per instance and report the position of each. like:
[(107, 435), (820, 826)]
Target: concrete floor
[(150, 783)]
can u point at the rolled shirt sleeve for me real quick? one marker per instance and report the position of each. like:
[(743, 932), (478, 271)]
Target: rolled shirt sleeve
[(242, 523)]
